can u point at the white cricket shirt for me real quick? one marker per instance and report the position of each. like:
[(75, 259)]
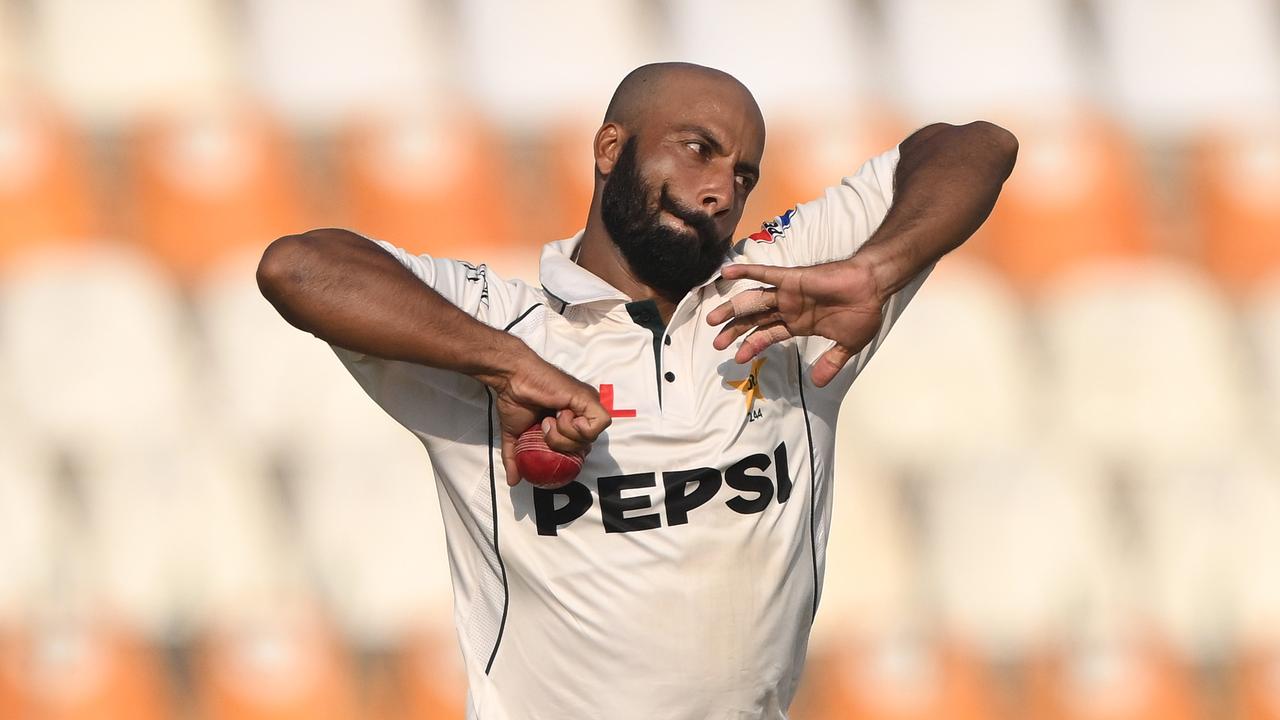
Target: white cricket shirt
[(678, 576)]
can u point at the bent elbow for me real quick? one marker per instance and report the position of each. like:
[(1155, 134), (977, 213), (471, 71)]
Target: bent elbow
[(279, 266), (1001, 140)]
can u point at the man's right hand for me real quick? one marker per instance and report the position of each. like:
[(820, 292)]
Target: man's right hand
[(536, 391)]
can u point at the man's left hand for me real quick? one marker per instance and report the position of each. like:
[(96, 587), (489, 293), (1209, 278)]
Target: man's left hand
[(838, 300)]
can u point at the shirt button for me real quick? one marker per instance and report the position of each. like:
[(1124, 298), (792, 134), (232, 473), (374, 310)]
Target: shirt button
[(670, 376), (666, 340)]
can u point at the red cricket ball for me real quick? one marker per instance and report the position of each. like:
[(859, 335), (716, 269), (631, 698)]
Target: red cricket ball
[(541, 466)]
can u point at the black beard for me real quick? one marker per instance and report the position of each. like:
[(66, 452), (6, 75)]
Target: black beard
[(669, 260)]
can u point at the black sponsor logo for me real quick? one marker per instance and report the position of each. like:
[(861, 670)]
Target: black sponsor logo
[(626, 503)]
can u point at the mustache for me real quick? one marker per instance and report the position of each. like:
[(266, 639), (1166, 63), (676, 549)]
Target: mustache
[(703, 223)]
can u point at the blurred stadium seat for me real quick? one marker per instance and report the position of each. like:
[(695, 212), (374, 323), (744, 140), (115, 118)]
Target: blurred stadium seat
[(1207, 522), (370, 522), (1077, 195), (1262, 318), (11, 55), (45, 190), (1143, 360), (1235, 178), (745, 38), (1114, 679), (73, 670), (956, 374), (31, 521), (900, 679), (953, 61), (585, 46), (1173, 68), (318, 62), (434, 184), (278, 665), (1255, 691), (183, 533), (871, 579), (94, 348), (259, 374), (111, 62), (1014, 540), (209, 182), (430, 676)]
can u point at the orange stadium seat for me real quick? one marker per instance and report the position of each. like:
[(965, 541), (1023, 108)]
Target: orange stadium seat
[(79, 672), (1116, 682), (570, 167), (804, 156), (45, 189), (1257, 694), (429, 186), (898, 681), (430, 676), (280, 669), (1076, 195), (209, 183), (1236, 180)]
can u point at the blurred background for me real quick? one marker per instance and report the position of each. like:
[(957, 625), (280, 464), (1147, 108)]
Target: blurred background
[(1058, 486)]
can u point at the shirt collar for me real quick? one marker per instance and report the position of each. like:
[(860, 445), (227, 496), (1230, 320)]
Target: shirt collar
[(573, 284)]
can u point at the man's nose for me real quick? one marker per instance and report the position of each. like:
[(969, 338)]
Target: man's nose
[(717, 192)]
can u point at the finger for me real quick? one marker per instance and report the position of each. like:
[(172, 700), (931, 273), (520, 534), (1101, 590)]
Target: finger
[(509, 460), (740, 325), (830, 364), (770, 274), (588, 430), (760, 339), (558, 442), (564, 423), (590, 416), (746, 302)]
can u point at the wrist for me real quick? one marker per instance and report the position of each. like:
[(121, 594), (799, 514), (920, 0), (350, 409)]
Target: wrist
[(868, 270), (501, 360)]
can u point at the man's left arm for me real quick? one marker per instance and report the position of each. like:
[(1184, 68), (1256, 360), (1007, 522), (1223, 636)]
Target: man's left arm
[(945, 185)]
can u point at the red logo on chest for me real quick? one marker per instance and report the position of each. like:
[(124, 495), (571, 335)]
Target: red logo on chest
[(606, 399)]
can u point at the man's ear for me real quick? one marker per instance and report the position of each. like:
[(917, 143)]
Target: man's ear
[(608, 144)]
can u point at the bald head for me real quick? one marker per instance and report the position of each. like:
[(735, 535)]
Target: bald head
[(662, 87)]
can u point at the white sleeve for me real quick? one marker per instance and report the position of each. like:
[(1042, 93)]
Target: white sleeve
[(833, 227)]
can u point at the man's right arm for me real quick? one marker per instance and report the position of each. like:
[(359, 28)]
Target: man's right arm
[(349, 292)]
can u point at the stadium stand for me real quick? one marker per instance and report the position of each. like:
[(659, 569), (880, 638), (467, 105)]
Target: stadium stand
[(951, 61), (95, 349), (208, 183), (1077, 195), (1235, 180), (436, 184), (279, 664), (966, 333), (1142, 359), (81, 670), (1115, 678), (46, 196), (318, 63), (1171, 70), (111, 63)]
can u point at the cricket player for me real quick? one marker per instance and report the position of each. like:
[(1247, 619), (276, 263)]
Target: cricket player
[(678, 575)]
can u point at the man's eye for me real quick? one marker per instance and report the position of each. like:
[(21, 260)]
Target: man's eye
[(695, 146), (745, 181)]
